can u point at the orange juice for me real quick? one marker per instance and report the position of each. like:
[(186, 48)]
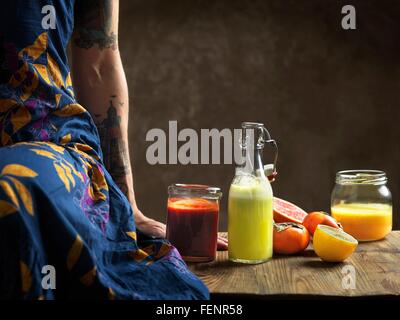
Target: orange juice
[(364, 221)]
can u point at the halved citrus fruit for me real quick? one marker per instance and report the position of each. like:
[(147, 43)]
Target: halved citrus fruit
[(285, 211), (332, 244), (191, 205)]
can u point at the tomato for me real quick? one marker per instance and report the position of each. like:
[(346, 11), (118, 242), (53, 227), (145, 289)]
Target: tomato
[(313, 219), (290, 238)]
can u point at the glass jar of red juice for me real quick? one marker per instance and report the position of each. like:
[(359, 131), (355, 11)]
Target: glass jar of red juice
[(192, 220)]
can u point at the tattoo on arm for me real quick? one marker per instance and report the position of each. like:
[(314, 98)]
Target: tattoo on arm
[(93, 24), (115, 153)]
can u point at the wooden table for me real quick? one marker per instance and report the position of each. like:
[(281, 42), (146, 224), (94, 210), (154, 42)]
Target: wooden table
[(376, 266)]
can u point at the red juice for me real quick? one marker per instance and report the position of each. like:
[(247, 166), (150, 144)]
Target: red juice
[(192, 227)]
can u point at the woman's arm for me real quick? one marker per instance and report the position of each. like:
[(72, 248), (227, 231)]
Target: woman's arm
[(101, 87), (100, 83)]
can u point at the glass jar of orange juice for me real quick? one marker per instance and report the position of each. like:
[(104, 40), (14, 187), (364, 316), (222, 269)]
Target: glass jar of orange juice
[(362, 203)]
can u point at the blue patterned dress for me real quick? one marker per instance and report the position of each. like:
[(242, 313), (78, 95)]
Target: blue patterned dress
[(58, 204)]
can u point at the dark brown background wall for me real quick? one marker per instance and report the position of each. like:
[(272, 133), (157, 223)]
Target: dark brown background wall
[(330, 97)]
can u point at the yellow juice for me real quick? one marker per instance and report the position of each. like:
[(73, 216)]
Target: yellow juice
[(250, 223), (364, 221)]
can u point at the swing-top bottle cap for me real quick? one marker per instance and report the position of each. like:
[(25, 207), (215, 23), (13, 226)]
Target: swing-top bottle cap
[(248, 124), (264, 138)]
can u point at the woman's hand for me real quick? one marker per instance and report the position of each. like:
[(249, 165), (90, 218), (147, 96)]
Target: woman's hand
[(151, 227), (158, 229), (222, 243)]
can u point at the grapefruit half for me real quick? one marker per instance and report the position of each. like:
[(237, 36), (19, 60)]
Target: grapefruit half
[(285, 211)]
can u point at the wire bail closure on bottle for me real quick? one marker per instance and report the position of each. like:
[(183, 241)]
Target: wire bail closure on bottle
[(265, 138)]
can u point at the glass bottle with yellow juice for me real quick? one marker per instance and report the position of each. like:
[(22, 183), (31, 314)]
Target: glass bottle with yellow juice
[(250, 217), (362, 203)]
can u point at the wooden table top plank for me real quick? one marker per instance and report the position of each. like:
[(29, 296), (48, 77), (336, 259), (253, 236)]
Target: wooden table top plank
[(376, 265)]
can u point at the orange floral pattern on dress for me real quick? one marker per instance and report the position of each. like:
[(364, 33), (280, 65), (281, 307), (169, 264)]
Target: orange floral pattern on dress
[(20, 108)]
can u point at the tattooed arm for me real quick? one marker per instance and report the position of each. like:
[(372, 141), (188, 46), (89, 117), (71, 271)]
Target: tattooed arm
[(100, 83)]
